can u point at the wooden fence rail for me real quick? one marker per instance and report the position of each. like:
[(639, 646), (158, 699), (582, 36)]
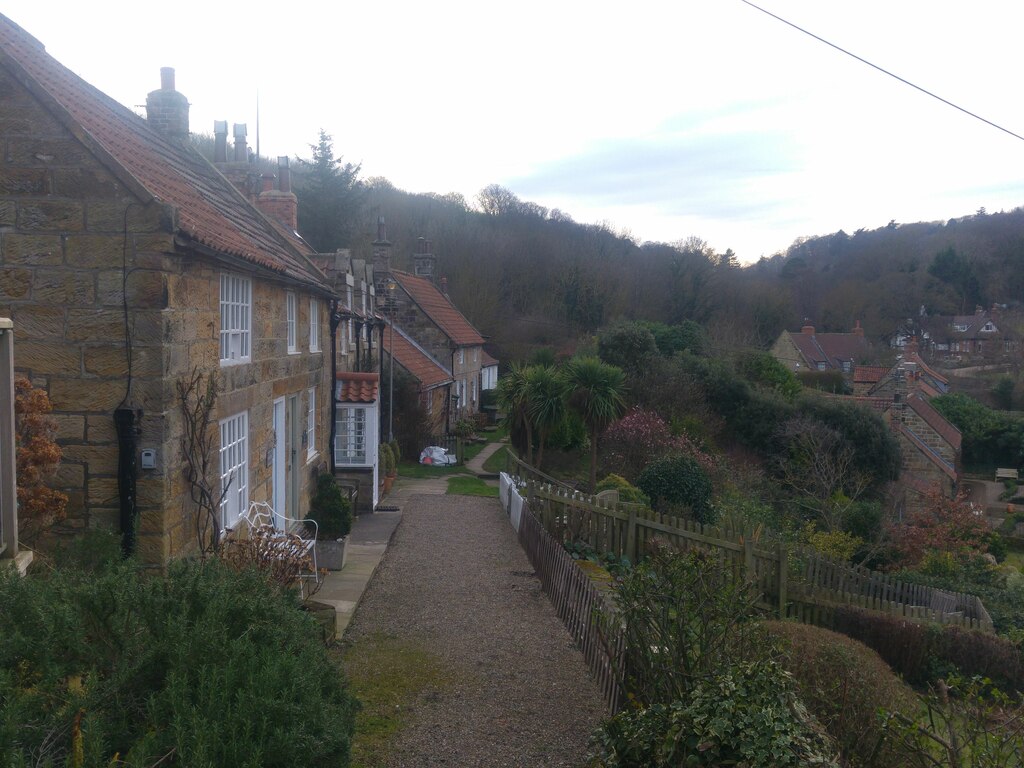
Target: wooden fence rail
[(799, 583), (580, 605)]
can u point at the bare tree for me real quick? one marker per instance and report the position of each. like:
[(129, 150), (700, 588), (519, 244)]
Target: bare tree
[(197, 394), (819, 466)]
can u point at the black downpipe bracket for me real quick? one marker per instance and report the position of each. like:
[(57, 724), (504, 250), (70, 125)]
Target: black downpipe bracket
[(126, 421)]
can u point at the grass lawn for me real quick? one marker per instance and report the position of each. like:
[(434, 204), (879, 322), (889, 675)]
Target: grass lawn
[(387, 675), (425, 471), (496, 461), (470, 486)]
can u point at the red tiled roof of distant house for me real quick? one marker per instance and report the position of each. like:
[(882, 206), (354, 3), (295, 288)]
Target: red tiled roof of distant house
[(415, 360), (869, 374), (356, 387), (913, 357), (440, 309), (832, 349), (211, 212), (935, 420), (486, 360)]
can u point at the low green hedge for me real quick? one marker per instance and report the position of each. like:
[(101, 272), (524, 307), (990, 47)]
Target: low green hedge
[(201, 667)]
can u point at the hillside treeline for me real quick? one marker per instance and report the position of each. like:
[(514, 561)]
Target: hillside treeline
[(530, 276)]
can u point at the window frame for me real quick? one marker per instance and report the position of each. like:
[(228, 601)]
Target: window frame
[(314, 325), (291, 318), (357, 455), (311, 411), (234, 449), (235, 303)]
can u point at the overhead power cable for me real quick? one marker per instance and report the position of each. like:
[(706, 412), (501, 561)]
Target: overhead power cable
[(884, 71)]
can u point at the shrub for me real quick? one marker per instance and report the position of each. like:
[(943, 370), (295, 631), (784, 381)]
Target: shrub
[(641, 437), (205, 666), (747, 715), (678, 480), (844, 685), (627, 491), (464, 428), (627, 345), (330, 509), (37, 459), (387, 459), (922, 653)]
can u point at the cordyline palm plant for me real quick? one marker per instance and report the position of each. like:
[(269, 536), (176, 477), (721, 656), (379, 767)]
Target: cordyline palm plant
[(546, 397), (513, 399), (596, 393)]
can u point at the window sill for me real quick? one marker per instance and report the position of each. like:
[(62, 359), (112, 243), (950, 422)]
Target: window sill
[(235, 361), (311, 457)]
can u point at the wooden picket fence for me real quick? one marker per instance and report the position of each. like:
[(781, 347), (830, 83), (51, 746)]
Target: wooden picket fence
[(580, 605), (795, 583)]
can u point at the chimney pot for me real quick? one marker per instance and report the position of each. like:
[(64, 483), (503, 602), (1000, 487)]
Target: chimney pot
[(808, 329), (284, 174), (220, 143), (167, 78), (241, 151)]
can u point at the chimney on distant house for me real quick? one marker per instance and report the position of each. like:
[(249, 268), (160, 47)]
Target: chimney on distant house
[(280, 204), (166, 109), (808, 329), (857, 329), (423, 259), (381, 253), (241, 150), (220, 141), (444, 285)]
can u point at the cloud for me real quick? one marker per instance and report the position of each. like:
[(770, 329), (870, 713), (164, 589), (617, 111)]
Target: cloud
[(687, 168)]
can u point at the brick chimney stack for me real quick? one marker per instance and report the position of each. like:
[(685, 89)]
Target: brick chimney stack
[(808, 329), (166, 109), (280, 204), (857, 329)]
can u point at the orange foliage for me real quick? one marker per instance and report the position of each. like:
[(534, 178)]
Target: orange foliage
[(944, 525), (38, 457)]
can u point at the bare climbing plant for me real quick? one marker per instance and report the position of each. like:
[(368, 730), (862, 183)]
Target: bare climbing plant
[(197, 394)]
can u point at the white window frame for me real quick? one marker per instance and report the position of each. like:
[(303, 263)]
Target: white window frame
[(235, 319), (472, 390), (351, 446), (314, 325), (462, 356), (234, 466), (311, 451), (291, 311)]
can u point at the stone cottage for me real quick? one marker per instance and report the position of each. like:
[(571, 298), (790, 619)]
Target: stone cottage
[(809, 350), (129, 265), (423, 315)]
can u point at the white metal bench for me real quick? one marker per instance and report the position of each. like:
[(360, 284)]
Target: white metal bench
[(291, 542)]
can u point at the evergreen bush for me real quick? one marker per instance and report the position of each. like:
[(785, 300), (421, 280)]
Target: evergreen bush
[(101, 664), (331, 510), (627, 491), (678, 480), (387, 459)]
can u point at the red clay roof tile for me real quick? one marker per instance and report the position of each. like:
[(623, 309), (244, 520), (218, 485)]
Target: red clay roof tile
[(356, 387), (415, 360), (439, 308), (211, 211)]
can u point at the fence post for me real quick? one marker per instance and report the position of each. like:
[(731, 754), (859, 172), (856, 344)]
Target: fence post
[(783, 579), (748, 558), (631, 536)]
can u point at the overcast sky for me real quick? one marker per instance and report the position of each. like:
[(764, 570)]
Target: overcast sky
[(698, 117)]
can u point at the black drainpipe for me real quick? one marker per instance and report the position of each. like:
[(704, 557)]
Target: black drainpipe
[(335, 322), (126, 421)]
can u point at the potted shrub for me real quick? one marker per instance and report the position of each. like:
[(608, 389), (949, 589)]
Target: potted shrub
[(333, 514), (387, 467)]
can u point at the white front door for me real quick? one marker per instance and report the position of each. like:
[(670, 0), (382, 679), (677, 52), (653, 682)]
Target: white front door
[(279, 471)]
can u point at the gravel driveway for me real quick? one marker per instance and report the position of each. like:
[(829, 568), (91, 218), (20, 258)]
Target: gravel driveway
[(456, 581)]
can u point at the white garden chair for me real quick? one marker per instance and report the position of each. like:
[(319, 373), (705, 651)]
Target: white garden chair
[(294, 540)]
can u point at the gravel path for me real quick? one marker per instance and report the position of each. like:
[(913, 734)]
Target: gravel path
[(456, 581)]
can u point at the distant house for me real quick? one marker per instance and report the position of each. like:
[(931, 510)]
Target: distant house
[(930, 445), (418, 306), (433, 380), (812, 351), (985, 335), (130, 264)]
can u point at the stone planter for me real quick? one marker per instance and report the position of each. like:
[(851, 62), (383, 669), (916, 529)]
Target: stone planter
[(330, 553)]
